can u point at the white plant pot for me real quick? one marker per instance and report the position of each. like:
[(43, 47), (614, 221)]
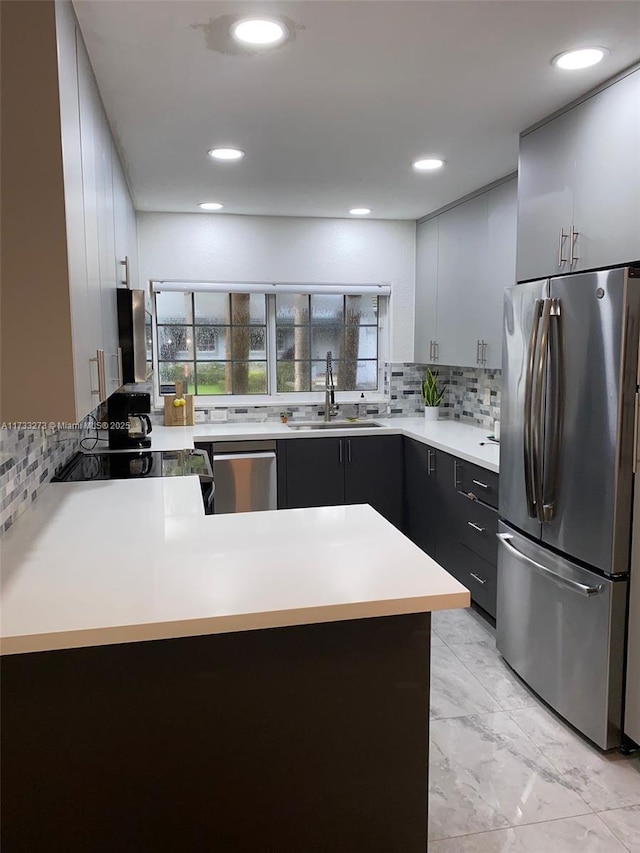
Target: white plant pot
[(431, 413)]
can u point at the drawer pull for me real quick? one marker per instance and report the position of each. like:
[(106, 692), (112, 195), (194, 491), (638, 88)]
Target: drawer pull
[(477, 578), (476, 527), (482, 485)]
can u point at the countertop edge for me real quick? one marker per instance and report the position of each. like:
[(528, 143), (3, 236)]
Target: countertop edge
[(283, 433), (149, 632)]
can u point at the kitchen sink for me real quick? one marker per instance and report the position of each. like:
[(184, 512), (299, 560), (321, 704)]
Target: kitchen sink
[(335, 425)]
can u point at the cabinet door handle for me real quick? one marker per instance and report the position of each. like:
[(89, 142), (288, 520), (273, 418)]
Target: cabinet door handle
[(340, 450), (125, 264), (482, 485), (455, 473), (478, 358), (430, 468), (563, 237), (95, 361), (99, 362), (477, 578), (102, 375), (117, 379), (573, 234), (476, 527), (348, 450), (436, 351), (484, 352)]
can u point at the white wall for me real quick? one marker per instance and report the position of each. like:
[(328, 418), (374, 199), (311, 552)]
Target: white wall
[(224, 247)]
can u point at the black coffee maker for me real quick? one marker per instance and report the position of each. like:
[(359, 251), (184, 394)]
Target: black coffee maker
[(129, 422)]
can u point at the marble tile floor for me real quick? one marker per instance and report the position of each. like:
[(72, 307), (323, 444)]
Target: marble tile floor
[(507, 775)]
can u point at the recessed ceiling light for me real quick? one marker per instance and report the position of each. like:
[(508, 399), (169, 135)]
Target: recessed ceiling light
[(226, 153), (428, 165), (573, 60), (360, 211), (259, 31), (211, 205)]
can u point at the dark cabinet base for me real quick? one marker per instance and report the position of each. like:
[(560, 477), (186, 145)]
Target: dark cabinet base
[(312, 738)]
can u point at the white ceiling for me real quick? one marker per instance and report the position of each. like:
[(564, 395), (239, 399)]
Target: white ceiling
[(333, 118)]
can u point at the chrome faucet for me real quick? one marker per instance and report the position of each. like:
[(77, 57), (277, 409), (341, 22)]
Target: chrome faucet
[(330, 406)]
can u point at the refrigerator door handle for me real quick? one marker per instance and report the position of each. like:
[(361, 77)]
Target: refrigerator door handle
[(567, 583), (528, 406), (552, 464), (538, 411)]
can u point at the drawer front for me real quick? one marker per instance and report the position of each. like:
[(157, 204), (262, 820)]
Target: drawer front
[(478, 529), (480, 577), (472, 479)]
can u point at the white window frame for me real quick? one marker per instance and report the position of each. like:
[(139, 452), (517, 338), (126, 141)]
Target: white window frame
[(293, 398)]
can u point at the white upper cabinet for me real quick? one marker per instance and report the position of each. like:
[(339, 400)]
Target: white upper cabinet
[(426, 305), (59, 266), (606, 201), (462, 272), (126, 229), (465, 257), (546, 173), (579, 186), (501, 254)]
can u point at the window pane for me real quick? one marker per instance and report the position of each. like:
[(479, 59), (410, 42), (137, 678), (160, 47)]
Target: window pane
[(248, 308), (367, 376), (326, 338), (178, 372), (292, 309), (214, 377), (360, 342), (292, 342), (249, 377), (173, 308), (212, 342), (175, 343), (318, 373), (293, 376), (248, 342), (362, 310), (327, 309), (212, 309)]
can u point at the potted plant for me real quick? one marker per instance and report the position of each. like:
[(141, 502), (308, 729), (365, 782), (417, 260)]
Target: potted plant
[(284, 417), (431, 396)]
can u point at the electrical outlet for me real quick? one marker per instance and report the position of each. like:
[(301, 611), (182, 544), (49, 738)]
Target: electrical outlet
[(199, 416), (487, 397), (219, 415)]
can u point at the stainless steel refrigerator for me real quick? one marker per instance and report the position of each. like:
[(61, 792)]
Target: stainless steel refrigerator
[(569, 413)]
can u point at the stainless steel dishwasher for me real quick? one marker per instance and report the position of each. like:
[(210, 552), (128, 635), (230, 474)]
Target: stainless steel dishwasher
[(245, 476)]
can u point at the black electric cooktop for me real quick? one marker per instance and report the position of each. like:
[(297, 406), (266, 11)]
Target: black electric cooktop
[(134, 464)]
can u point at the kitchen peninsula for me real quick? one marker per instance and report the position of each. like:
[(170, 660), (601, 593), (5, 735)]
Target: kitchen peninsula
[(244, 682)]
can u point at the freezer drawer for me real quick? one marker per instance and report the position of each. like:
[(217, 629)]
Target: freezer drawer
[(561, 628)]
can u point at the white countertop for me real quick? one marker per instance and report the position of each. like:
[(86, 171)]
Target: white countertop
[(123, 561), (458, 439)]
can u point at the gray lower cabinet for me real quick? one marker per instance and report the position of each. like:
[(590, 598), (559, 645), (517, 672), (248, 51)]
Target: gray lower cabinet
[(451, 513), (420, 495), (334, 471)]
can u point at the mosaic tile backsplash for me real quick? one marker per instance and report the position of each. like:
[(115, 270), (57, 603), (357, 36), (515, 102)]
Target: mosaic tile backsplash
[(28, 461), (401, 382), (29, 458)]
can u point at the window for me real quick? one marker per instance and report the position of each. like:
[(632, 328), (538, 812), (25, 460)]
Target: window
[(271, 339), (213, 342), (310, 325)]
